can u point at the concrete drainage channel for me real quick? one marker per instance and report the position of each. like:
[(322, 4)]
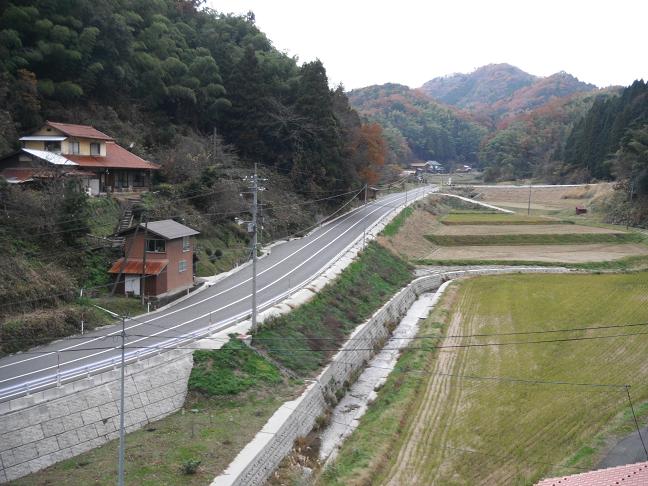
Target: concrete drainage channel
[(260, 457)]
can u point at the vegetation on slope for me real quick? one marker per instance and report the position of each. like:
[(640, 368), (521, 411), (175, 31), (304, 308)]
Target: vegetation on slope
[(430, 130), (314, 330)]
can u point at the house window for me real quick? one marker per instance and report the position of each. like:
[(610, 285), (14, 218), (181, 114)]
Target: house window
[(186, 246), (155, 246), (95, 148), (122, 179), (53, 147), (75, 148), (182, 266)]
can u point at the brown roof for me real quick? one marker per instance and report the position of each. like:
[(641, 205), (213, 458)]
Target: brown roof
[(81, 131), (116, 158), (134, 266), (628, 475)]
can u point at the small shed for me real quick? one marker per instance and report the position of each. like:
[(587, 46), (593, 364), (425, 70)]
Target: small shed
[(158, 253)]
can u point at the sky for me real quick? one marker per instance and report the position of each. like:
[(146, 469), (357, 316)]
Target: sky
[(364, 42)]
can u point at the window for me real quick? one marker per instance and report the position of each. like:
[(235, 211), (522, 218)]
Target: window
[(182, 266), (95, 148), (186, 246), (53, 147), (155, 246), (75, 147)]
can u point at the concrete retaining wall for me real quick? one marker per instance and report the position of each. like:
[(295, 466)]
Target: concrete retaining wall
[(260, 457), (59, 423)]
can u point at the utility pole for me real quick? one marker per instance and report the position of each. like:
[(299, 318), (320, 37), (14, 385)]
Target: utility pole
[(122, 431), (529, 206), (143, 279), (255, 190), (364, 231), (122, 438)]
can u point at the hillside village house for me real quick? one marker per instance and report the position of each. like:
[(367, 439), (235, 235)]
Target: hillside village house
[(430, 167), (80, 151), (169, 258)]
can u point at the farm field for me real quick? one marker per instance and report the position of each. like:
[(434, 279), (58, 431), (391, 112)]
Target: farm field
[(539, 253), (445, 232), (543, 199), (508, 414), (520, 229)]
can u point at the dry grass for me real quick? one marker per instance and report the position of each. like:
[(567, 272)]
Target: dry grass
[(540, 253), (543, 199)]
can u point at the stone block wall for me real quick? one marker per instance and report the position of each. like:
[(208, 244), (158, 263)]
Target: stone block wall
[(56, 424)]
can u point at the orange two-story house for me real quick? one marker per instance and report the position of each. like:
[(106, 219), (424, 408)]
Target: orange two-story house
[(81, 151), (168, 248)]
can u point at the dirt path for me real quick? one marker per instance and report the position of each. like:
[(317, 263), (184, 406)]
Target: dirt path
[(418, 461)]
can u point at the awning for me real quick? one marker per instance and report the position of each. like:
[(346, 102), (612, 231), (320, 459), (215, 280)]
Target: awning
[(134, 266)]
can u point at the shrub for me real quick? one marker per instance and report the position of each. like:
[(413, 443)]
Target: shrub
[(190, 466)]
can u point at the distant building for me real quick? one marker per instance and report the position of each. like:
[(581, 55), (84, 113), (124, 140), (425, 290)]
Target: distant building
[(464, 169), (169, 259), (628, 475), (429, 167), (80, 151), (435, 167)]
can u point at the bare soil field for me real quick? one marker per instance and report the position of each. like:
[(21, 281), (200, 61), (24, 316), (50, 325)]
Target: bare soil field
[(545, 253), (544, 198), (535, 229)]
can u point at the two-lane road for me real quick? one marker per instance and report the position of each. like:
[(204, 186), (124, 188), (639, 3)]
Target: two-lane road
[(290, 266)]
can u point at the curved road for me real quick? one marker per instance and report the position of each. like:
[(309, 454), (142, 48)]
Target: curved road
[(290, 266)]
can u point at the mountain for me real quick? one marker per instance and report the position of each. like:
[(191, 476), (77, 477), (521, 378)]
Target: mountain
[(502, 90), (417, 126), (484, 86)]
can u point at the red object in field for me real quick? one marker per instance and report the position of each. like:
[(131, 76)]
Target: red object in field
[(581, 210)]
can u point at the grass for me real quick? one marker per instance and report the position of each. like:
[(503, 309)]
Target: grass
[(105, 213), (517, 432), (395, 224), (304, 339), (230, 370), (535, 239), (465, 218), (631, 263)]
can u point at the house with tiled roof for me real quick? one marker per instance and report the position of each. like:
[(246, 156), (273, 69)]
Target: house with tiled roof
[(158, 259), (81, 151), (628, 475)]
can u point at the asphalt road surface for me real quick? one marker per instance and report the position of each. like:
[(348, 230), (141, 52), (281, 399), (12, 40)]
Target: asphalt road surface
[(290, 266)]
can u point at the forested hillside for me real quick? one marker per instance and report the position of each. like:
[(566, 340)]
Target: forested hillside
[(530, 144), (484, 86), (500, 90), (611, 128), (157, 73), (416, 126), (202, 93)]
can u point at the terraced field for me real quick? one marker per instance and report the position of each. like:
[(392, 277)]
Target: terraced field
[(518, 402)]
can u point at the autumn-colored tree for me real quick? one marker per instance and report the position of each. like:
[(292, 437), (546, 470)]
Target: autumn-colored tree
[(370, 146)]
